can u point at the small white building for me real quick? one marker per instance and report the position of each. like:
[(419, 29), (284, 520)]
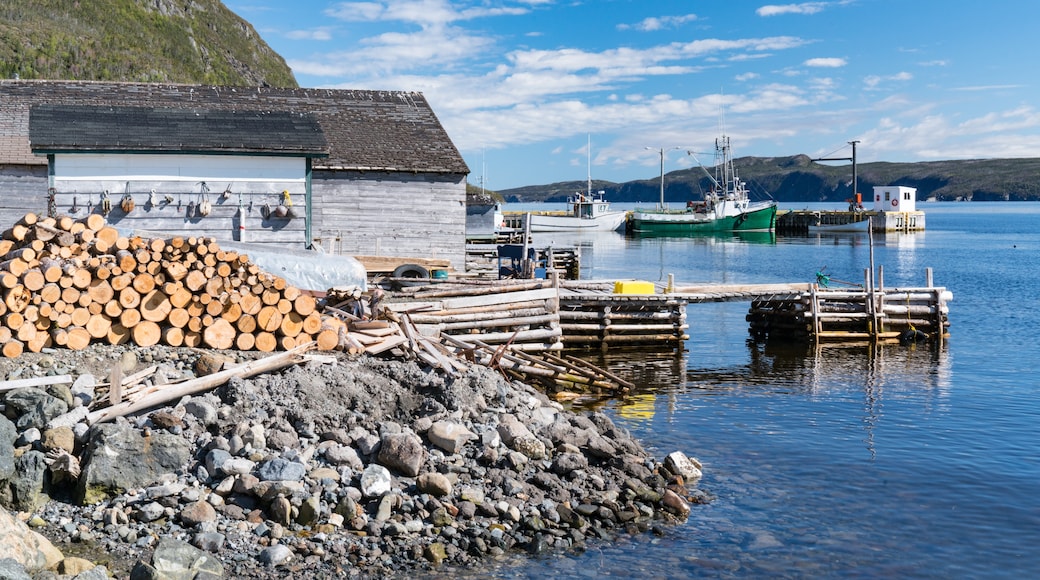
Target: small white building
[(897, 206), (895, 198)]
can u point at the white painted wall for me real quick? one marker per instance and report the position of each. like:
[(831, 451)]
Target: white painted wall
[(97, 172), (895, 198)]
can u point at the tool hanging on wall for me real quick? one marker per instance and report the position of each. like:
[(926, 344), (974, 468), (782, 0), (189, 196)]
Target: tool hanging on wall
[(227, 194), (127, 202), (190, 210), (106, 204), (153, 200), (74, 209), (204, 206), (284, 209)]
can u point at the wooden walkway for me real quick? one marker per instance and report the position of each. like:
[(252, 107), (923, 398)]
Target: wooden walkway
[(541, 315)]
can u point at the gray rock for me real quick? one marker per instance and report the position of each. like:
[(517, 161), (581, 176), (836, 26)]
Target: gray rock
[(375, 481), (275, 555), (279, 469), (215, 460), (119, 458), (449, 436), (27, 437), (10, 569), (202, 410), (209, 541), (149, 512), (510, 428), (27, 481), (33, 407), (310, 509), (565, 463), (367, 443), (175, 559), (677, 462), (343, 455), (402, 452), (238, 466)]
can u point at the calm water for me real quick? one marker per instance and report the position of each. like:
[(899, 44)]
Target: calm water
[(888, 462)]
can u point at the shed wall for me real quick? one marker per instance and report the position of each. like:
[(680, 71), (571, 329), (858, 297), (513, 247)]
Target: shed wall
[(391, 214)]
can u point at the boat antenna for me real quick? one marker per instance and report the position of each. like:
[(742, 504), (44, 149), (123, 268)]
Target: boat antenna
[(588, 152)]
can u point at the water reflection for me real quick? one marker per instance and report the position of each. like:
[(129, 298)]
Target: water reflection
[(874, 372)]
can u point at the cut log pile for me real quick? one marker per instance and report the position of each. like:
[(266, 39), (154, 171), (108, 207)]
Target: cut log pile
[(67, 283)]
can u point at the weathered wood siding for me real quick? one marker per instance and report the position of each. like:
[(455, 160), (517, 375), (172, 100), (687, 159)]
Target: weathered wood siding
[(23, 189), (80, 179), (391, 214)]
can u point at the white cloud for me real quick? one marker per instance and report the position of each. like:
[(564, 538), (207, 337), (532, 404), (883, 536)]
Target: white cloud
[(872, 81), (655, 23), (315, 34), (826, 62), (803, 8)]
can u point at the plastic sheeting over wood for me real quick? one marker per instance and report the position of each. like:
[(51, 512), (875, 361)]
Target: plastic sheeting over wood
[(304, 269)]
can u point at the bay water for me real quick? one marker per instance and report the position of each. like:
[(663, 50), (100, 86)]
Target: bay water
[(891, 461)]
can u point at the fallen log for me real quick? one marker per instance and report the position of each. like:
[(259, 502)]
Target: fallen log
[(170, 393)]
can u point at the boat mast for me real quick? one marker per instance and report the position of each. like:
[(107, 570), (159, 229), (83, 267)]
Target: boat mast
[(588, 152)]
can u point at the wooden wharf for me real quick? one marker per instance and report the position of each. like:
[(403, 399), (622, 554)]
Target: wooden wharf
[(555, 314), (803, 221)]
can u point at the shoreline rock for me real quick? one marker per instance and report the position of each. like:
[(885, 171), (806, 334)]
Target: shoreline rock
[(366, 467)]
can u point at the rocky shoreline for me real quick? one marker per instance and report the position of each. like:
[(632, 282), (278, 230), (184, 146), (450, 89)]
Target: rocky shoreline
[(343, 467)]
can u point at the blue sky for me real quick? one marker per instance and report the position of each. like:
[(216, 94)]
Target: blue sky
[(522, 85)]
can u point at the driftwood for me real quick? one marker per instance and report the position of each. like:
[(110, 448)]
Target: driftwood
[(169, 393), (35, 382)]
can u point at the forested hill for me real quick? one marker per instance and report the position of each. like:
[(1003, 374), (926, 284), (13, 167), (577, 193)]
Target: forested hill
[(163, 41), (798, 179)]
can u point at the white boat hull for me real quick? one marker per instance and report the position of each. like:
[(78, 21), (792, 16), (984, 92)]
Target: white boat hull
[(604, 222)]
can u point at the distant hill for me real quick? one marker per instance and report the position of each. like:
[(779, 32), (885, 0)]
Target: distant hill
[(798, 178), (162, 41)]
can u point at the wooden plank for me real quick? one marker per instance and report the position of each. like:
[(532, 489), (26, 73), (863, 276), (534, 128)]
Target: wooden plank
[(35, 382), (504, 298)]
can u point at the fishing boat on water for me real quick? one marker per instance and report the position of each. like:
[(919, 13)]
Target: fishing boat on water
[(586, 213), (726, 207)]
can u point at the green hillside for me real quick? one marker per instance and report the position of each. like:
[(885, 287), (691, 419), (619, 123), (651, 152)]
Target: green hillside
[(797, 178), (167, 41)]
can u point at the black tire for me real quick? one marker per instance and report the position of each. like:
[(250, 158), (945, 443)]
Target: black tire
[(411, 271)]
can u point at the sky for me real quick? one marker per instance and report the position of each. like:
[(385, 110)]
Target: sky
[(534, 92)]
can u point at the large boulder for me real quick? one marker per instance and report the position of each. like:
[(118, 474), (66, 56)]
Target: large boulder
[(402, 452), (27, 484), (33, 408), (119, 458), (8, 434), (32, 551)]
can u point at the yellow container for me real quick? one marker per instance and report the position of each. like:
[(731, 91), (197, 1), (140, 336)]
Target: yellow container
[(633, 287)]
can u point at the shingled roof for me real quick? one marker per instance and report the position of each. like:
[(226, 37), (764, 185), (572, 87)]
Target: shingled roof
[(365, 130), (65, 128)]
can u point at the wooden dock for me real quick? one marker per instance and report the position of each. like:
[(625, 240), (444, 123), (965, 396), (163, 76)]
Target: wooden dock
[(804, 221), (546, 315)]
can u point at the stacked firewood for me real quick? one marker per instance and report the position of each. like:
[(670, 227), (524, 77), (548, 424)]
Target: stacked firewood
[(69, 282)]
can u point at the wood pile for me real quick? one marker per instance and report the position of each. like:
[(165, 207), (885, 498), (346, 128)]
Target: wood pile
[(67, 283), (524, 314)]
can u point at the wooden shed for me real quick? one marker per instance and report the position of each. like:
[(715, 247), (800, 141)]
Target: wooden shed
[(354, 172)]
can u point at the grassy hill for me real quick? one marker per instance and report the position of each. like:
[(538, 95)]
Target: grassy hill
[(167, 41), (797, 178)]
